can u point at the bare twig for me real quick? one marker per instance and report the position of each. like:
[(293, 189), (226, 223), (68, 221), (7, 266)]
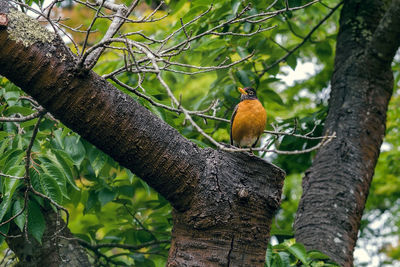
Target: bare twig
[(22, 118), (11, 176), (123, 246), (302, 42)]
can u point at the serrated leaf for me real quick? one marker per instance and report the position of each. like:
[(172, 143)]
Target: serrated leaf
[(35, 180), (299, 251), (285, 258), (67, 166), (8, 188), (51, 187), (57, 174), (75, 148), (3, 135), (36, 222), (12, 158), (3, 146), (17, 207)]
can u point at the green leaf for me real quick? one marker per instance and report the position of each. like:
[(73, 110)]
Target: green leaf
[(97, 159), (106, 196), (274, 70), (58, 138), (285, 258), (8, 188), (144, 236), (202, 2), (12, 158), (323, 49), (299, 252), (4, 229), (66, 166), (75, 148), (17, 207), (3, 135), (268, 256), (19, 109), (243, 77), (270, 96), (35, 180), (3, 146), (317, 255), (57, 174), (292, 61), (51, 187), (36, 222)]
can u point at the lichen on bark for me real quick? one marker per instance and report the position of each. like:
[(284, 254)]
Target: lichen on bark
[(27, 30)]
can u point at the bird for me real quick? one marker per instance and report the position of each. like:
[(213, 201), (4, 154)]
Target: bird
[(248, 119)]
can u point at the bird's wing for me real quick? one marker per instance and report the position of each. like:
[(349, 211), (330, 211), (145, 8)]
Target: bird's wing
[(232, 118)]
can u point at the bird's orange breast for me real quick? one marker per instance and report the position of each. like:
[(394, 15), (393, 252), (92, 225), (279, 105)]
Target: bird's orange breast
[(248, 123)]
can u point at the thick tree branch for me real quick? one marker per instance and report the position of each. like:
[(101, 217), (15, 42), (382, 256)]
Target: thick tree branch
[(336, 186), (386, 39), (222, 201), (101, 113)]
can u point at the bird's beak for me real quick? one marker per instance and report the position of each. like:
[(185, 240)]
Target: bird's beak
[(243, 92)]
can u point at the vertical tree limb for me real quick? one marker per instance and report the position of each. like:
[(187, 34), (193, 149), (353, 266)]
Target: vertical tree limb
[(336, 186)]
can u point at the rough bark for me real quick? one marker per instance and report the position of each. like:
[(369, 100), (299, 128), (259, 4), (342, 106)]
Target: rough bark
[(335, 187), (54, 251), (229, 221), (223, 203)]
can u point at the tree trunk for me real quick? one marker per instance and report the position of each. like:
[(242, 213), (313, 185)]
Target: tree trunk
[(335, 187), (223, 202), (54, 251), (229, 220)]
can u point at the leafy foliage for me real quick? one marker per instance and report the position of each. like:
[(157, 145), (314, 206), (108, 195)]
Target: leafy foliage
[(290, 253), (109, 204)]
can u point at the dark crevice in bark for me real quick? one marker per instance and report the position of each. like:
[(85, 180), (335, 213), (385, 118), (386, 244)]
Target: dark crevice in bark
[(230, 251)]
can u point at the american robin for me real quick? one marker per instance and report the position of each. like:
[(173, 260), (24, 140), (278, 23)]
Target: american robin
[(248, 119)]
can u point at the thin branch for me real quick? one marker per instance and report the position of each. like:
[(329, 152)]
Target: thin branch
[(123, 246), (59, 207), (326, 139), (140, 223), (80, 63), (11, 176), (21, 119), (245, 34), (20, 212), (121, 16), (303, 42)]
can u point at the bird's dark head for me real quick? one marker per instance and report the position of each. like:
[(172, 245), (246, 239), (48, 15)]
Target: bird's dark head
[(247, 93)]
